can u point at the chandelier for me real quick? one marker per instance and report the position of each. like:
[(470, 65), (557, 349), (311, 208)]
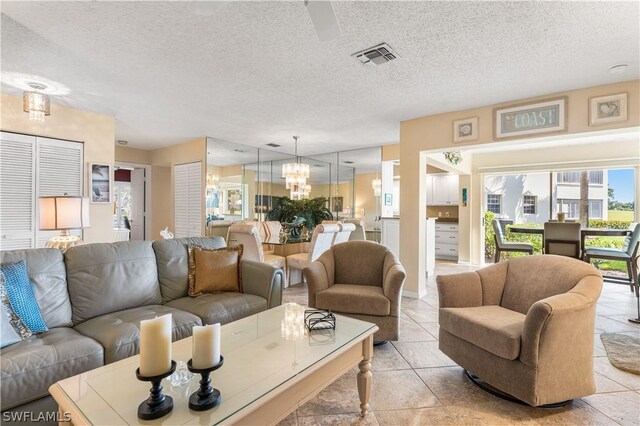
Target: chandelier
[(376, 185), (212, 182), (453, 157), (296, 175), (36, 103)]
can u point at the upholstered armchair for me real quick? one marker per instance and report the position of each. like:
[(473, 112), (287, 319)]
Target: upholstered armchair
[(359, 279), (523, 326)]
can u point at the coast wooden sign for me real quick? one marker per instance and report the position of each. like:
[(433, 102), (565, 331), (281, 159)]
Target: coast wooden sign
[(540, 117)]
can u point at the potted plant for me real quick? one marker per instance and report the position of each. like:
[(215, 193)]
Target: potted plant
[(313, 211)]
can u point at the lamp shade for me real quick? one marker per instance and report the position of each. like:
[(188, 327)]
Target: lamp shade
[(63, 212)]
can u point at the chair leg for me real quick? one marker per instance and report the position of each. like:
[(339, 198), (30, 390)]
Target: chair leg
[(632, 277), (634, 280)]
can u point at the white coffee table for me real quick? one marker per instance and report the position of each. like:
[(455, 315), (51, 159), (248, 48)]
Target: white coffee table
[(264, 377)]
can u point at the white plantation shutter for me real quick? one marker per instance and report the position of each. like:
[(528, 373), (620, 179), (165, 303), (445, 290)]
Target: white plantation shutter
[(187, 190), (31, 167), (59, 167), (17, 186)]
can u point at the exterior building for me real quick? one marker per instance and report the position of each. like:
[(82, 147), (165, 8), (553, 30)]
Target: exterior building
[(537, 197)]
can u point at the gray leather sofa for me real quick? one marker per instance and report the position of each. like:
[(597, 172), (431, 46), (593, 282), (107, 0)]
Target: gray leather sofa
[(94, 297)]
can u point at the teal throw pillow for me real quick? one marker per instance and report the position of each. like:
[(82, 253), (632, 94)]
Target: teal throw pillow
[(21, 297)]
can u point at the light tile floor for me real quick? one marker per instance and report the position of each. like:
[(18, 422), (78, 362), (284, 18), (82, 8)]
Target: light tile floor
[(416, 384)]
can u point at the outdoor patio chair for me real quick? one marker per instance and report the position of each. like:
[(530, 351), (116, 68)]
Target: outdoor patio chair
[(562, 239), (628, 254), (503, 246)]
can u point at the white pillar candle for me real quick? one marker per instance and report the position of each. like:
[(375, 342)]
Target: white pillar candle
[(206, 346), (155, 346)]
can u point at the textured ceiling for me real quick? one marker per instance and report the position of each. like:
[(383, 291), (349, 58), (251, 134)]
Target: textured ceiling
[(255, 72)]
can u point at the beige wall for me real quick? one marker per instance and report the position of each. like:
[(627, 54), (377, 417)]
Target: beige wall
[(161, 200), (162, 161), (96, 131), (390, 152), (132, 155), (435, 132)]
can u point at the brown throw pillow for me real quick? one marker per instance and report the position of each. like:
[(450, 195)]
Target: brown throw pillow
[(214, 270)]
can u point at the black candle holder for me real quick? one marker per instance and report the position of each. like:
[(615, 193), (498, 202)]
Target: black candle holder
[(207, 396), (158, 404)]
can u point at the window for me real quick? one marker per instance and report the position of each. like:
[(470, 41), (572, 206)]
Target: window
[(530, 204), (572, 208), (595, 177), (494, 203)]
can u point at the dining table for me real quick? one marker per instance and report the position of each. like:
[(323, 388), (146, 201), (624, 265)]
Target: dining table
[(584, 232)]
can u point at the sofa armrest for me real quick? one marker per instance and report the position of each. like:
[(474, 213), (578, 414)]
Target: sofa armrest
[(559, 329), (459, 290), (392, 287), (262, 280), (317, 280)]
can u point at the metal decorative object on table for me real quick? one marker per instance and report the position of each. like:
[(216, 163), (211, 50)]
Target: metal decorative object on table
[(207, 396), (295, 228), (318, 319), (158, 404)]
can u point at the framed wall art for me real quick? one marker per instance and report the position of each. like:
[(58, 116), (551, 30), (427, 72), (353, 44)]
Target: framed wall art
[(465, 130), (530, 119), (100, 183), (607, 109)]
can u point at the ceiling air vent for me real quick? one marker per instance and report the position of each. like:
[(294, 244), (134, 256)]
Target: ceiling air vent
[(376, 55)]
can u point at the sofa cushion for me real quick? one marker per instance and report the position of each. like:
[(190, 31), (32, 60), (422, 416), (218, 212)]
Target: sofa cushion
[(31, 366), (173, 263), (492, 328), (359, 262), (119, 332), (105, 278), (607, 252), (48, 277), (221, 307), (354, 299)]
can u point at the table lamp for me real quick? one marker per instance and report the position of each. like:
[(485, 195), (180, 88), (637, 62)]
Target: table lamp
[(63, 213)]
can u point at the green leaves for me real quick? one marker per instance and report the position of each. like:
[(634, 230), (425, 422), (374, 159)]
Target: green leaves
[(314, 211)]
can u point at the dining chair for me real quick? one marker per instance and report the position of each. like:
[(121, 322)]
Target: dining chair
[(344, 232), (273, 228), (249, 237), (628, 254), (562, 239), (503, 246), (260, 226), (320, 242), (358, 234)]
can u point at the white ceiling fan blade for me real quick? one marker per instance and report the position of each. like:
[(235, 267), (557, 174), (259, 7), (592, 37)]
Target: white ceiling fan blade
[(324, 19)]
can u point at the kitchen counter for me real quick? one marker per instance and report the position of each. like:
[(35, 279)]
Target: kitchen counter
[(447, 219)]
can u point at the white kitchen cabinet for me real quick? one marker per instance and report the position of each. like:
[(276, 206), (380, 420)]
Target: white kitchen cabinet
[(442, 189), (446, 241)]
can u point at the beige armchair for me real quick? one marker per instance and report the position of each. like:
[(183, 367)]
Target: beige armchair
[(523, 326), (360, 279)]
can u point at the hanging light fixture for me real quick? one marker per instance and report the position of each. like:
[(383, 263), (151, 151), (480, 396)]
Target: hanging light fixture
[(36, 103), (453, 157), (296, 175), (212, 182), (376, 184)]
